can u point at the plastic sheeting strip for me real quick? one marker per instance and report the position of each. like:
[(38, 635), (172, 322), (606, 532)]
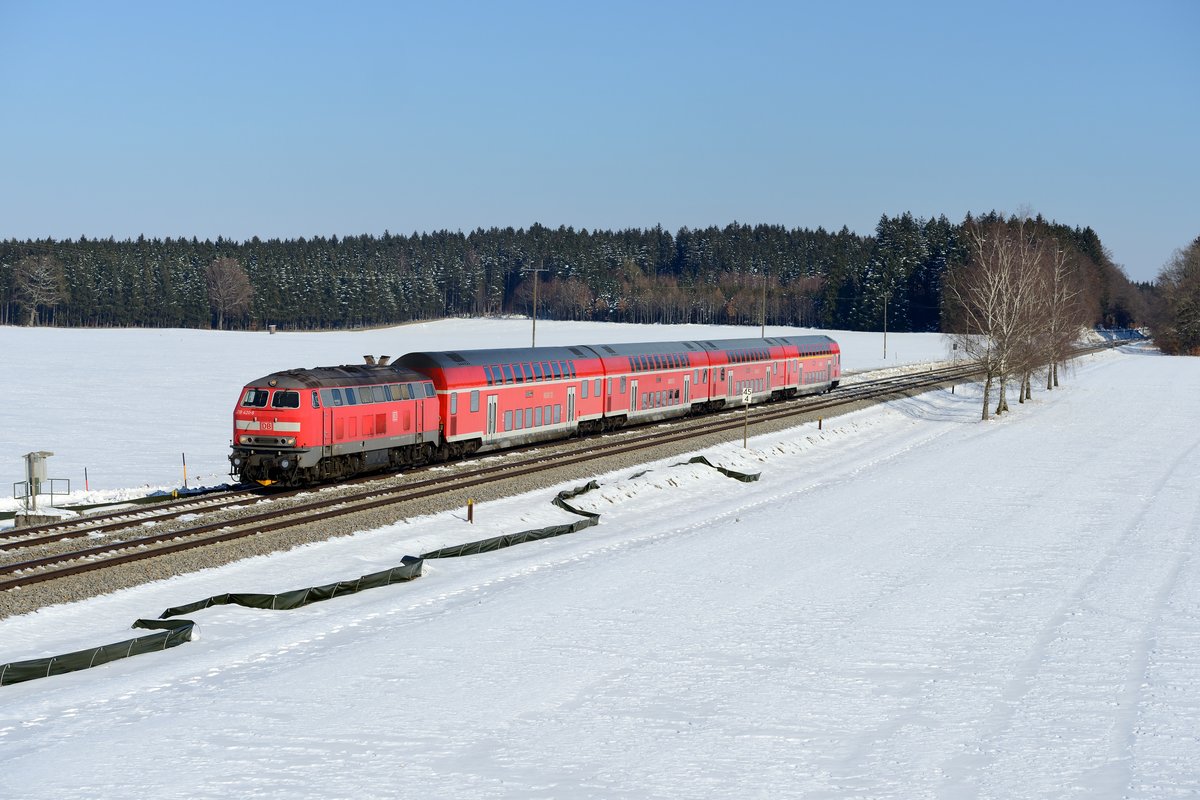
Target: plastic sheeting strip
[(176, 632), (560, 500), (170, 634), (510, 539), (409, 569)]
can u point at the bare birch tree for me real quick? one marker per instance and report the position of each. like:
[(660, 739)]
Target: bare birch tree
[(996, 298), (1064, 311), (229, 289), (38, 283)]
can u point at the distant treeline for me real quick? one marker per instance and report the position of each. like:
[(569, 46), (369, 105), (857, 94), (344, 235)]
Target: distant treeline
[(711, 275)]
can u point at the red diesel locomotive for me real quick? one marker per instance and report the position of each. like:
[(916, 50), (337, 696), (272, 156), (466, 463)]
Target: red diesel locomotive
[(308, 425)]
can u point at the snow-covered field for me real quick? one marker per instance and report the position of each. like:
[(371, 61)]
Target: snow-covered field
[(909, 603), (128, 406)]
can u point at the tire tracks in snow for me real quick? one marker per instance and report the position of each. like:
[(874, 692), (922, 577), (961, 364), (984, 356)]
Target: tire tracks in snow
[(1124, 595)]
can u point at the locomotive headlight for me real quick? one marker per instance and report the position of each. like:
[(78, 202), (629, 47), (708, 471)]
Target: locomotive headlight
[(246, 439), (289, 441)]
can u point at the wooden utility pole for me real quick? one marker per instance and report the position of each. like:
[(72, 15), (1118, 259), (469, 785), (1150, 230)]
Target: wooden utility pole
[(535, 271)]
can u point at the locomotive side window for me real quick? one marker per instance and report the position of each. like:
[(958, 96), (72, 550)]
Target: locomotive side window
[(316, 401), (622, 384), (255, 398), (429, 390), (337, 397), (285, 398), (351, 399)]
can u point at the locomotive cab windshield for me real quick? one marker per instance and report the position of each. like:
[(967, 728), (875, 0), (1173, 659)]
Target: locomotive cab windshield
[(255, 398)]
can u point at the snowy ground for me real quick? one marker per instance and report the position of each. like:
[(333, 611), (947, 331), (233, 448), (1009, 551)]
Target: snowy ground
[(907, 604)]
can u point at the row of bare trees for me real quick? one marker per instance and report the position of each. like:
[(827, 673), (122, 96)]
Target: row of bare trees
[(1175, 320), (1015, 306), (39, 288)]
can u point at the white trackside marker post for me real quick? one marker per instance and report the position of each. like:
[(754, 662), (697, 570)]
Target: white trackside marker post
[(746, 416)]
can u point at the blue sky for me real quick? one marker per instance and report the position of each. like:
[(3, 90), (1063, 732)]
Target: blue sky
[(298, 119)]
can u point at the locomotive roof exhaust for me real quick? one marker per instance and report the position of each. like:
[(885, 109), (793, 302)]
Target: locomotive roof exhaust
[(370, 360), (381, 361)]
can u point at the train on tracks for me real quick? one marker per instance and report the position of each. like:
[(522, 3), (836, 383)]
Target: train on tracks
[(305, 426)]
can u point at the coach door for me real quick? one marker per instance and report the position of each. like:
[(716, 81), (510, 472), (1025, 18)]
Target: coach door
[(493, 401), (327, 431), (571, 404), (633, 396), (687, 389), (729, 378)]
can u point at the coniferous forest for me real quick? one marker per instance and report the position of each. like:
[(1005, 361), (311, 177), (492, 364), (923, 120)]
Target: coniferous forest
[(738, 274)]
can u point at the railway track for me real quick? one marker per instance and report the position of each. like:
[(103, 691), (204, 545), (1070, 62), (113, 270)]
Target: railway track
[(306, 506)]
